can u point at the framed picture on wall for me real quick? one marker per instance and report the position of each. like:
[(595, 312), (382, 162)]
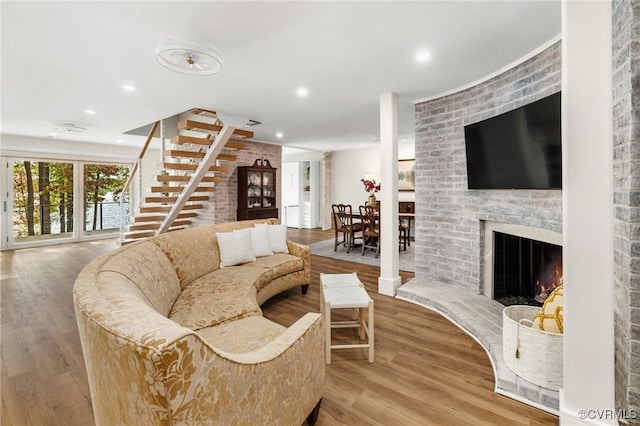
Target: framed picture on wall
[(406, 175)]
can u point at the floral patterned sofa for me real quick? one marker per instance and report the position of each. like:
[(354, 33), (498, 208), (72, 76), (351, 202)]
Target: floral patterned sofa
[(171, 338)]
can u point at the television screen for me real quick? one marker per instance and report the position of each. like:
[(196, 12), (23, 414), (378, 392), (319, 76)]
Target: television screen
[(520, 149)]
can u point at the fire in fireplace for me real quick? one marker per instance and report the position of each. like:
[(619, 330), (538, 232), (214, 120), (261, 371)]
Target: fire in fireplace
[(525, 271)]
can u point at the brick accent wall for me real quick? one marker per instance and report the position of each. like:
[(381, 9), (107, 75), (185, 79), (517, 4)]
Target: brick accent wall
[(448, 220), (626, 169), (223, 203)]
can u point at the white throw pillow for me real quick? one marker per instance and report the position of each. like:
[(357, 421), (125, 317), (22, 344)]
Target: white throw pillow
[(278, 238), (235, 247), (260, 240)]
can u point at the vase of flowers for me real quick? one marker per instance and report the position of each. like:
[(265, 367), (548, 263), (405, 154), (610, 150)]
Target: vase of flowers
[(371, 187)]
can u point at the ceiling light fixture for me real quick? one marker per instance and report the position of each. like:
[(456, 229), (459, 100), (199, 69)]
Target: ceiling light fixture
[(128, 87), (188, 58), (302, 92), (69, 128), (279, 135), (90, 112)]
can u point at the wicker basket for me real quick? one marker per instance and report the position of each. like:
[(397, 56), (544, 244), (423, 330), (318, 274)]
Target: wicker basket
[(532, 354)]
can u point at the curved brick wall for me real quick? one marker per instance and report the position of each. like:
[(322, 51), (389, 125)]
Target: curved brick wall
[(448, 234)]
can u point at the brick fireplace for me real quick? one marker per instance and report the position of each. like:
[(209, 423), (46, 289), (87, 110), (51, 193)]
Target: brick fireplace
[(449, 234), (522, 265)]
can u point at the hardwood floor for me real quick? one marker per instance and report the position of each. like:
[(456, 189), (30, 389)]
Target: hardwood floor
[(427, 371)]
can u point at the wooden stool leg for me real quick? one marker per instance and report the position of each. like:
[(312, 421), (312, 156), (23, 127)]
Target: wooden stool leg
[(361, 331), (327, 333)]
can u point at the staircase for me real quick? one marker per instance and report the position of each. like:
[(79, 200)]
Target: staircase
[(191, 164)]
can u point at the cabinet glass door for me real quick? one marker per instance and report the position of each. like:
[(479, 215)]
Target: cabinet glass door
[(254, 191), (268, 189)]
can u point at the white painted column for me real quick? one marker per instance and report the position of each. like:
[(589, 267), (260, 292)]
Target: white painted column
[(389, 279), (589, 380)]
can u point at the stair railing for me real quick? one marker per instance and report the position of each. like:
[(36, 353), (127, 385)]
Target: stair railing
[(142, 175)]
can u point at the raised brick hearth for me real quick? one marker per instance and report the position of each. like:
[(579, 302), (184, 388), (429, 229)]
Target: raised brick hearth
[(481, 318)]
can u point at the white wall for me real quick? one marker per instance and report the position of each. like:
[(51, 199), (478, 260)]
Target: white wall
[(295, 157), (349, 166)]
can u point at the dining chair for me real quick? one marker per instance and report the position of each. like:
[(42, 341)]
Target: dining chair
[(343, 224), (404, 226), (370, 228), (405, 223)]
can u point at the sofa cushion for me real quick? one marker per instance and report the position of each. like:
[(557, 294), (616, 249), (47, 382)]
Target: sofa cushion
[(280, 264), (242, 335), (193, 254), (247, 273), (146, 266), (220, 296)]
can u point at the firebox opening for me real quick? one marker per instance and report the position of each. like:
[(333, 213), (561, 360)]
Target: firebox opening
[(525, 270)]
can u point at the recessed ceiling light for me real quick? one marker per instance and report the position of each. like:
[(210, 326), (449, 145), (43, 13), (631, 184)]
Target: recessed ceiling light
[(279, 135), (302, 92), (128, 87), (90, 112), (422, 56), (119, 141), (52, 135)]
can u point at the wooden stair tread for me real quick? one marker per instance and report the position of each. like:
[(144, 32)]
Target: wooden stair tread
[(163, 189), (158, 209), (192, 167), (183, 153), (182, 139), (137, 234), (155, 225), (171, 178), (202, 111), (159, 217), (173, 199), (196, 125)]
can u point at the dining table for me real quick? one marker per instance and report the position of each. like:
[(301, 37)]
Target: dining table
[(409, 217)]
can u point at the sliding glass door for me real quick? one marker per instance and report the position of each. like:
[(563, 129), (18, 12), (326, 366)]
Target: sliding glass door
[(42, 200), (50, 202), (102, 187)]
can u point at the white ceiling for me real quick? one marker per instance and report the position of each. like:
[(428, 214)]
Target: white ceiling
[(62, 58)]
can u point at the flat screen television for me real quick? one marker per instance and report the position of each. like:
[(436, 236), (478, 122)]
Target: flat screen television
[(520, 149)]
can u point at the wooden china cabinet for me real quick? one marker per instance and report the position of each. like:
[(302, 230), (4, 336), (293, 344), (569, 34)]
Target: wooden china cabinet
[(257, 191)]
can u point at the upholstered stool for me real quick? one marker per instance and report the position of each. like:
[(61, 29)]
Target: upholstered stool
[(345, 291)]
